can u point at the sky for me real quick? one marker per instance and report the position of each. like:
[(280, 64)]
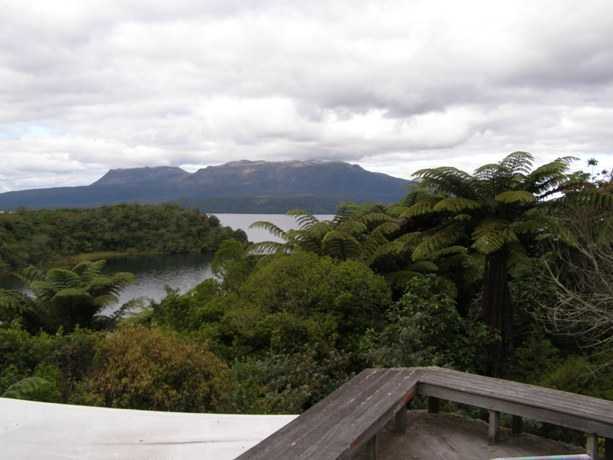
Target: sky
[(394, 86)]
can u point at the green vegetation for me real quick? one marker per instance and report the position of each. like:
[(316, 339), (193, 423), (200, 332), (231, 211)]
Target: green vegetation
[(506, 271), (52, 236)]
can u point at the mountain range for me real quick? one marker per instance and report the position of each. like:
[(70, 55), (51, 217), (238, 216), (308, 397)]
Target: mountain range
[(240, 186)]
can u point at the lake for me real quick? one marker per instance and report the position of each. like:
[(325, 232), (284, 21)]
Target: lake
[(181, 272)]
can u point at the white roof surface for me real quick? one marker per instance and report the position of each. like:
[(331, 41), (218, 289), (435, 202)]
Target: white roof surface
[(34, 430)]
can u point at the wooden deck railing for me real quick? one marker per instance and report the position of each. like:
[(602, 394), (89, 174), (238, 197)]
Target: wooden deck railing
[(350, 418)]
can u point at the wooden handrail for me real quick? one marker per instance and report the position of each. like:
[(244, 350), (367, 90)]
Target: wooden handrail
[(353, 415)]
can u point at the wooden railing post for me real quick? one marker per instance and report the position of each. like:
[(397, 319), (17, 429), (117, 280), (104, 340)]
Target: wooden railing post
[(517, 425), (591, 446), (494, 427), (372, 447), (400, 421), (433, 405)]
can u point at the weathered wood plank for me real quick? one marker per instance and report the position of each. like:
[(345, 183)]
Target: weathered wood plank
[(318, 418), (520, 392), (351, 417), (343, 422), (561, 408), (549, 415), (369, 417)]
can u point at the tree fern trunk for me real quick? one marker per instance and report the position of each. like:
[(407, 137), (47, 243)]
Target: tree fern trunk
[(497, 309)]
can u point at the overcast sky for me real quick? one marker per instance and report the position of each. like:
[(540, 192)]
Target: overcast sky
[(392, 85)]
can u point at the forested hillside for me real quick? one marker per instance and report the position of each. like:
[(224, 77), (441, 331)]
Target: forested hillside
[(37, 237), (506, 271)]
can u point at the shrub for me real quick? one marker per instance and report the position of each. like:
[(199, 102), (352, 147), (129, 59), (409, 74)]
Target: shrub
[(423, 329), (142, 368)]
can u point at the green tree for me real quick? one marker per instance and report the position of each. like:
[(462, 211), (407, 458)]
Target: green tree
[(489, 211)]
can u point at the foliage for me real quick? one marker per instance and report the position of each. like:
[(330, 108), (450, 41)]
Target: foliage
[(33, 388), (69, 298), (282, 324), (46, 236), (288, 383), (424, 328), (143, 368)]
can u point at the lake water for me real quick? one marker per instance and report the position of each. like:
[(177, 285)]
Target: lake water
[(181, 272)]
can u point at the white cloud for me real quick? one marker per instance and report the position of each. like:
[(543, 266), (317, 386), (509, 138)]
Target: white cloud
[(394, 85)]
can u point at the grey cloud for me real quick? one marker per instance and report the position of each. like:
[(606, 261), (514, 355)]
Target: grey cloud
[(389, 84)]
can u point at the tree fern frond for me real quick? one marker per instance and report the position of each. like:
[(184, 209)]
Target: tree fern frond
[(60, 278), (518, 162), (448, 180), (375, 218), (548, 176), (492, 235), (269, 247), (396, 210), (340, 245), (30, 388), (441, 239), (424, 266), (420, 208), (352, 227), (304, 219), (456, 204), (515, 196), (270, 228), (449, 251)]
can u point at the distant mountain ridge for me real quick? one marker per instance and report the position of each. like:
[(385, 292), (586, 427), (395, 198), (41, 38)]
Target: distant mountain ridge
[(239, 186)]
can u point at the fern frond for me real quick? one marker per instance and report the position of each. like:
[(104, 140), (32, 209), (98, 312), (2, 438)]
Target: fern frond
[(424, 266), (396, 210), (456, 204), (270, 228), (340, 245), (269, 247), (420, 208), (304, 219), (375, 218), (441, 239), (60, 278), (518, 162), (30, 388), (515, 196), (352, 227), (492, 235), (448, 180)]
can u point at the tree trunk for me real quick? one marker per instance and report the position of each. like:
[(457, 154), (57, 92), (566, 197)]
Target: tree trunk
[(497, 309)]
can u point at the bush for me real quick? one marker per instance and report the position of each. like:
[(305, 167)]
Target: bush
[(423, 329), (305, 284), (34, 389), (288, 383), (142, 368)]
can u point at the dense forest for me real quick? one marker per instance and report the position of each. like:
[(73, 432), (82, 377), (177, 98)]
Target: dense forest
[(46, 236), (507, 271)]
